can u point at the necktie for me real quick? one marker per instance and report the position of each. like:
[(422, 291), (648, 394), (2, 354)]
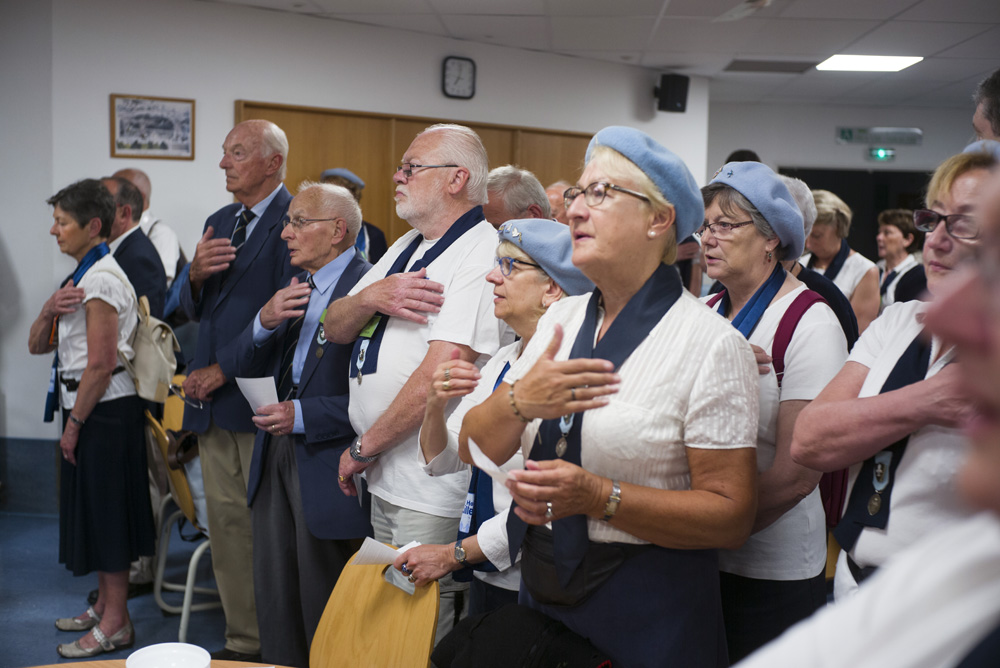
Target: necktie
[(240, 233), (868, 505), (285, 383)]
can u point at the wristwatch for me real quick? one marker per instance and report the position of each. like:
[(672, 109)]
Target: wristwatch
[(357, 456), (611, 507), (460, 554)]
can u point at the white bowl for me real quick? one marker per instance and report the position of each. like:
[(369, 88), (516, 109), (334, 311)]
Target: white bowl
[(169, 655)]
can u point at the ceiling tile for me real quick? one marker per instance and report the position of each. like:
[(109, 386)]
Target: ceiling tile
[(600, 34), (984, 45), (713, 8), (806, 35), (626, 57), (297, 6), (371, 6), (968, 11), (526, 32), (912, 38), (946, 69), (605, 8), (423, 23), (683, 34), (856, 9), (491, 7)]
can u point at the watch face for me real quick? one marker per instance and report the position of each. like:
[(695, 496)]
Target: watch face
[(458, 77)]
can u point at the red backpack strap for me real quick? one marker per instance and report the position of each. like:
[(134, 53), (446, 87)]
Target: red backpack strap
[(714, 299), (789, 321)]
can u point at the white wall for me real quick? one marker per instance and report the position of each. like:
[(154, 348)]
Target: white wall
[(805, 136), (64, 57)]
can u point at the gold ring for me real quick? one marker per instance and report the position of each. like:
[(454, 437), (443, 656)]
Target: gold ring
[(572, 393), (342, 478), (412, 578), (446, 385)]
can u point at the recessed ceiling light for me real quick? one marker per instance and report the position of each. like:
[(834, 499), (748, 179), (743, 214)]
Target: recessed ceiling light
[(847, 63)]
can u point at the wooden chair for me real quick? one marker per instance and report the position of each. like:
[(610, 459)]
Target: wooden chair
[(180, 495), (369, 622)]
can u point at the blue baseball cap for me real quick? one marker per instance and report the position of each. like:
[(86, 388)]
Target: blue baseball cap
[(766, 191), (667, 172), (550, 245), (344, 174)]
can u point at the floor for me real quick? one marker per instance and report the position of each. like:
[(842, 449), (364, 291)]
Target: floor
[(35, 589)]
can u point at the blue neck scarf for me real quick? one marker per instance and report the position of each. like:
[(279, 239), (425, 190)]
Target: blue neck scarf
[(88, 261), (753, 310)]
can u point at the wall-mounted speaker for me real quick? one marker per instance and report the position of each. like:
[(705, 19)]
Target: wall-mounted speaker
[(672, 94)]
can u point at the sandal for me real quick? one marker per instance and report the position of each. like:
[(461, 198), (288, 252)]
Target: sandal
[(77, 624), (124, 637)]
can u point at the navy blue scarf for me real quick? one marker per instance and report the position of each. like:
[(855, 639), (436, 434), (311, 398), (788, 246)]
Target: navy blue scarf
[(751, 313), (88, 261), (838, 260), (366, 347), (642, 312)]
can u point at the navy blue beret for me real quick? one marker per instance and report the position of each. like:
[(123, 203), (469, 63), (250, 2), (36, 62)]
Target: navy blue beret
[(766, 191), (344, 174), (549, 244)]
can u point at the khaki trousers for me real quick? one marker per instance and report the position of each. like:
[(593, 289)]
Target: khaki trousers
[(225, 463)]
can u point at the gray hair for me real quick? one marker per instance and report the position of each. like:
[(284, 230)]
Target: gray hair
[(987, 94), (273, 140), (804, 198), (732, 203), (462, 146), (518, 189), (339, 202)]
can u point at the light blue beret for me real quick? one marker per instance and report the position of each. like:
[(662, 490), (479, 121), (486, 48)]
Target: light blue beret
[(549, 244), (985, 146), (767, 192), (344, 174), (667, 172)]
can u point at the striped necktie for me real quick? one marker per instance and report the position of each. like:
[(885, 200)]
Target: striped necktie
[(286, 386), (240, 233)]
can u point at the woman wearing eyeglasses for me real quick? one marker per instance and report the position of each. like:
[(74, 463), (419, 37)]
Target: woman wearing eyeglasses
[(752, 224), (893, 412), (636, 411), (902, 276), (829, 254), (533, 272)]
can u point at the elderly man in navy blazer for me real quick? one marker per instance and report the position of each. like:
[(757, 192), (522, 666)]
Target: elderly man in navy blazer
[(132, 249), (304, 529), (238, 264)]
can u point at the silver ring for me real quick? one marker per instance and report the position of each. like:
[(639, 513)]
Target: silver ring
[(412, 578), (548, 510), (572, 393), (447, 374), (446, 385), (405, 568)]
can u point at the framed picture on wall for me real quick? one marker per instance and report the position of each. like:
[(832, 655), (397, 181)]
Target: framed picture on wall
[(152, 127)]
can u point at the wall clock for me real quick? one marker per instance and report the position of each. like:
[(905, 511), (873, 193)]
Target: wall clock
[(458, 77)]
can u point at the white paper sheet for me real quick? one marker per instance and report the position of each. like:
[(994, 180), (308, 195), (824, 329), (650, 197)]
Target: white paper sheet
[(486, 464), (258, 391), (373, 552)]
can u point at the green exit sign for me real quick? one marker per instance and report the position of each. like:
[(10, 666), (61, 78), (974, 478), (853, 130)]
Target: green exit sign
[(881, 154)]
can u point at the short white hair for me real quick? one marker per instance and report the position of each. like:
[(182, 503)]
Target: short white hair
[(337, 202), (804, 198), (462, 146), (273, 140), (518, 189)]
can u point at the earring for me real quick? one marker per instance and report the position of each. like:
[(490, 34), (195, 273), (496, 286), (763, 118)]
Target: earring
[(651, 234), (769, 256)]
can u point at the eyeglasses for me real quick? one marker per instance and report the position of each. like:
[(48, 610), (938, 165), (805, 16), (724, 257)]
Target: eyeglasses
[(595, 193), (506, 264), (720, 230), (408, 167), (298, 223), (958, 225)]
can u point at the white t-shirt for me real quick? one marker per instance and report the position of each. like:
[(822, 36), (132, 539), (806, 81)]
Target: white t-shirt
[(855, 267), (164, 239), (794, 546), (927, 608), (107, 282), (692, 383), (924, 497), (906, 265), (466, 317), (493, 532)]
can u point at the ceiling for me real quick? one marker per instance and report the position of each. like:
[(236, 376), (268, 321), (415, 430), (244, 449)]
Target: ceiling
[(958, 39)]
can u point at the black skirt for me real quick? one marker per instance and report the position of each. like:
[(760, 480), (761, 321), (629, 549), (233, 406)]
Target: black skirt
[(105, 517)]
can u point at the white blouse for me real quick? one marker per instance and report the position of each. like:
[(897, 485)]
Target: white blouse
[(107, 282), (855, 267), (692, 383)]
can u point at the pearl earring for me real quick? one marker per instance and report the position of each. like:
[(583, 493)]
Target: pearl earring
[(651, 234)]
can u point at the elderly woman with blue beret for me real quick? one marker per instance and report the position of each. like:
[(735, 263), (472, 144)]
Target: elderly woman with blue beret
[(636, 410), (751, 225), (533, 271)]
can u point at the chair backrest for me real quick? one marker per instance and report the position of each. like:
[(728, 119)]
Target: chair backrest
[(177, 479), (369, 622), (173, 408)]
